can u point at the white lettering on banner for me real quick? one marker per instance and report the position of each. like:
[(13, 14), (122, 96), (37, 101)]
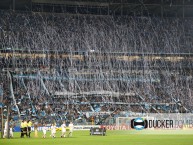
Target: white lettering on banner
[(40, 128), (114, 127)]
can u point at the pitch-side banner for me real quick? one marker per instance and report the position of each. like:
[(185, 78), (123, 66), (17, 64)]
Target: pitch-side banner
[(172, 121), (76, 127), (162, 121)]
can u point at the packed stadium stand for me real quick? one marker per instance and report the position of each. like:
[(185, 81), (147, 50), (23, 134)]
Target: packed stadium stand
[(104, 61)]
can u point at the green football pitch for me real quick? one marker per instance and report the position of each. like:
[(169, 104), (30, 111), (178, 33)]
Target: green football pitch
[(112, 138)]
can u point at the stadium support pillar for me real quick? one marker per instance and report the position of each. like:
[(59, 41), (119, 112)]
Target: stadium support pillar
[(121, 7), (8, 130), (1, 121), (183, 10), (1, 107), (13, 5), (162, 13)]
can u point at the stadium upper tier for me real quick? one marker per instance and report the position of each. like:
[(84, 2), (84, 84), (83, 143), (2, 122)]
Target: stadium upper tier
[(56, 32)]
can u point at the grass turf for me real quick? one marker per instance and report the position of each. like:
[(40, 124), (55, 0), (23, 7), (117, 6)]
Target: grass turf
[(112, 138)]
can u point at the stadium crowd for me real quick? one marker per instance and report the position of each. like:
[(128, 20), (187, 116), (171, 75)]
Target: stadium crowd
[(92, 66)]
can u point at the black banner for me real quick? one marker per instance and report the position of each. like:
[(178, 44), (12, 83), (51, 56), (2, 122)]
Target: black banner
[(97, 131)]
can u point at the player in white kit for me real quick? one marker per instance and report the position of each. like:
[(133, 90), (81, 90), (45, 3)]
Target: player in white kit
[(53, 130), (44, 129), (71, 128), (63, 126)]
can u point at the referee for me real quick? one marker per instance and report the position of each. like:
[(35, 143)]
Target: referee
[(22, 127), (25, 128), (29, 124)]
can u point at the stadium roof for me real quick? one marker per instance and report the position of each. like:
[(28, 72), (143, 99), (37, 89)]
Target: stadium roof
[(165, 8)]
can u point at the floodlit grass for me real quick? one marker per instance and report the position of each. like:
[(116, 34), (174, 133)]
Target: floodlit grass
[(112, 138)]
